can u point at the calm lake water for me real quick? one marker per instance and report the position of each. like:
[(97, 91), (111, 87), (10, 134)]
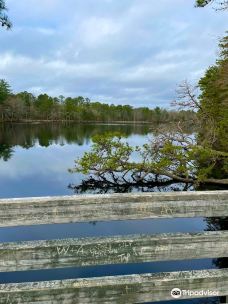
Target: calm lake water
[(34, 161)]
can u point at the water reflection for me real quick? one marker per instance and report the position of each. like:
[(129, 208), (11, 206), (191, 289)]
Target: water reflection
[(27, 135), (34, 159), (6, 151), (91, 185), (33, 162)]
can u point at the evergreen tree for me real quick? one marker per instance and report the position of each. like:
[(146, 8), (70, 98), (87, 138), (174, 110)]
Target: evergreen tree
[(213, 114), (4, 91), (4, 94), (214, 102)]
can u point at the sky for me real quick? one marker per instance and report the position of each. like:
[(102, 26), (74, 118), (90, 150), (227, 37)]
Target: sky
[(114, 51)]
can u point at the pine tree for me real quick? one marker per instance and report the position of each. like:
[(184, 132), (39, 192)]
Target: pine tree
[(4, 90), (214, 108), (214, 102)]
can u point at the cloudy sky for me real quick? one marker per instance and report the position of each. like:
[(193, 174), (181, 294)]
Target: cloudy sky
[(116, 51)]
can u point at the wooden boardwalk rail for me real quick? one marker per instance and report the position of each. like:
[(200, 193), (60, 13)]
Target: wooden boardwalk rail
[(34, 255)]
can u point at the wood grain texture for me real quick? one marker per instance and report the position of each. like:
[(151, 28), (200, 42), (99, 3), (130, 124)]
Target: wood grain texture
[(112, 250), (85, 208), (117, 289)]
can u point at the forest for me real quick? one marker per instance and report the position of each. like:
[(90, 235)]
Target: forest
[(25, 107)]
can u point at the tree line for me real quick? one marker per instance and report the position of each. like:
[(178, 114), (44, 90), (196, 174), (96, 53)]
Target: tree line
[(26, 107)]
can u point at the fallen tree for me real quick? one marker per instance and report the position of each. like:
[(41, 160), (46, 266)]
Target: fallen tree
[(167, 158)]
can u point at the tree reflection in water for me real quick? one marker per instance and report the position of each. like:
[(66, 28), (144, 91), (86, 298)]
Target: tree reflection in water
[(95, 186), (46, 134)]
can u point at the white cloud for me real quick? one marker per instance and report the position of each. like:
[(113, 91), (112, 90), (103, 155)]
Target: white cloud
[(94, 30), (130, 51)]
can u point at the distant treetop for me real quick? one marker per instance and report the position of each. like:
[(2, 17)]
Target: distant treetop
[(219, 4), (4, 20)]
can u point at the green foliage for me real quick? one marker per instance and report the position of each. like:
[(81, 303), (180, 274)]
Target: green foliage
[(202, 3), (4, 20), (219, 4), (108, 154), (214, 102), (4, 91), (26, 106), (213, 115), (223, 45), (112, 158), (5, 152)]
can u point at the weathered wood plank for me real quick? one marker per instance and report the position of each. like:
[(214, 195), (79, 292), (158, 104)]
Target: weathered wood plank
[(65, 209), (117, 289), (113, 250)]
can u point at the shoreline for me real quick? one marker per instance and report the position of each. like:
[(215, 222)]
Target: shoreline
[(80, 122)]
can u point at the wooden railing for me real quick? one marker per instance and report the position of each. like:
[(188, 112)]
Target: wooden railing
[(25, 256)]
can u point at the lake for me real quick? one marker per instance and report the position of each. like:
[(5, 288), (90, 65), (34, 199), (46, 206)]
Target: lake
[(34, 161)]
